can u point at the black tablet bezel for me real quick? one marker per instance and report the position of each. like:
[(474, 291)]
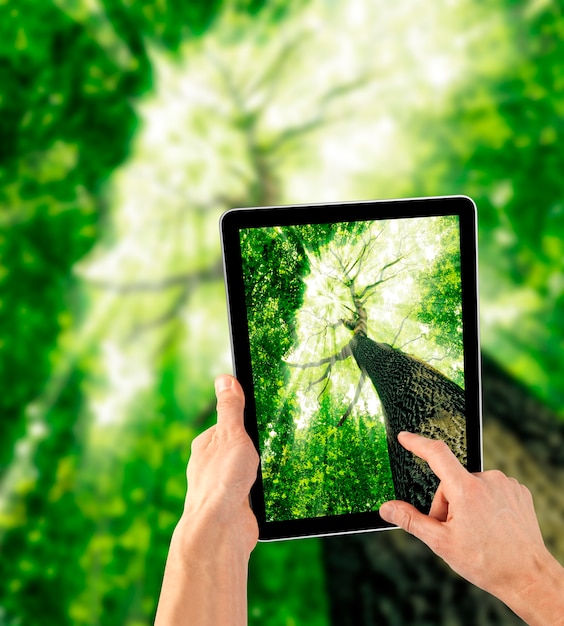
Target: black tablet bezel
[(234, 220)]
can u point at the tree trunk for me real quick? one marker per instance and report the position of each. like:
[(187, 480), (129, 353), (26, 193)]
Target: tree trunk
[(391, 578), (414, 397)]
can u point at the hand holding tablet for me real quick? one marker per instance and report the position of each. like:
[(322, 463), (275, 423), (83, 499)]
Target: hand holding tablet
[(483, 525), (350, 323)]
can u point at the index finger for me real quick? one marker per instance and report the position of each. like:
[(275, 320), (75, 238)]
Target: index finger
[(440, 457)]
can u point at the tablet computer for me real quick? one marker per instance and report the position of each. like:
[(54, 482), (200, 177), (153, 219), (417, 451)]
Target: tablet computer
[(351, 322)]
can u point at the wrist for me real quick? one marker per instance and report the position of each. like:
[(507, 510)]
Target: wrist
[(200, 537), (205, 581), (539, 599)]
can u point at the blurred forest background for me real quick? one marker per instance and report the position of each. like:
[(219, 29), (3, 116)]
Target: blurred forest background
[(126, 129)]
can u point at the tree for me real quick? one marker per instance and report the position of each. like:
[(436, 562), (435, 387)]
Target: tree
[(393, 578), (352, 277), (124, 135)]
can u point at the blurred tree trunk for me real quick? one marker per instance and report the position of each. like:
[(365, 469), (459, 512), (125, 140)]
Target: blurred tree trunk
[(392, 578)]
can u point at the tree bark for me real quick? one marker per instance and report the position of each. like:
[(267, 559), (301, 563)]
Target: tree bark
[(418, 398), (391, 578)]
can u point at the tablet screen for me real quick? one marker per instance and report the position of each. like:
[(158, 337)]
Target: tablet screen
[(351, 323)]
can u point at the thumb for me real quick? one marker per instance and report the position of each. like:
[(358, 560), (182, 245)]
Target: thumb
[(411, 520), (230, 401)]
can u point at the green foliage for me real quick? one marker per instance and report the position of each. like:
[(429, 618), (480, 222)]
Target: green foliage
[(125, 129), (274, 263), (298, 283), (441, 303), (327, 470), (279, 575), (499, 140), (34, 559), (86, 509)]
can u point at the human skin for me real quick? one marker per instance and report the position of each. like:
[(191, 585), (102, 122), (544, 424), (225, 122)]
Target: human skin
[(205, 580), (485, 528), (483, 525)]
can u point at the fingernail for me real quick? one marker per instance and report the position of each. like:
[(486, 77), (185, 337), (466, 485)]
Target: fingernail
[(223, 382)]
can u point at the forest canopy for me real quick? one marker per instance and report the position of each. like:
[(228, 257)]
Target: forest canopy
[(300, 289), (126, 129)]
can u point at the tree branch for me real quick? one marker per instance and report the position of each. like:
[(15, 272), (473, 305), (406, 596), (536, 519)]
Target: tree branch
[(322, 377), (381, 278), (355, 399), (401, 325), (268, 81), (320, 119), (412, 340), (339, 356), (165, 317), (367, 249), (328, 377), (188, 279)]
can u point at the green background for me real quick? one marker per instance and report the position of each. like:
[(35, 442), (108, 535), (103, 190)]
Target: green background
[(126, 129)]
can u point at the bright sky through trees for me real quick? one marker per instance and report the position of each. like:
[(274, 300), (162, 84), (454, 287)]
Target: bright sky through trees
[(128, 128), (392, 312), (407, 273)]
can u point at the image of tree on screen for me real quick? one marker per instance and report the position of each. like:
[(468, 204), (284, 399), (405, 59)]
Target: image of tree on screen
[(356, 334)]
